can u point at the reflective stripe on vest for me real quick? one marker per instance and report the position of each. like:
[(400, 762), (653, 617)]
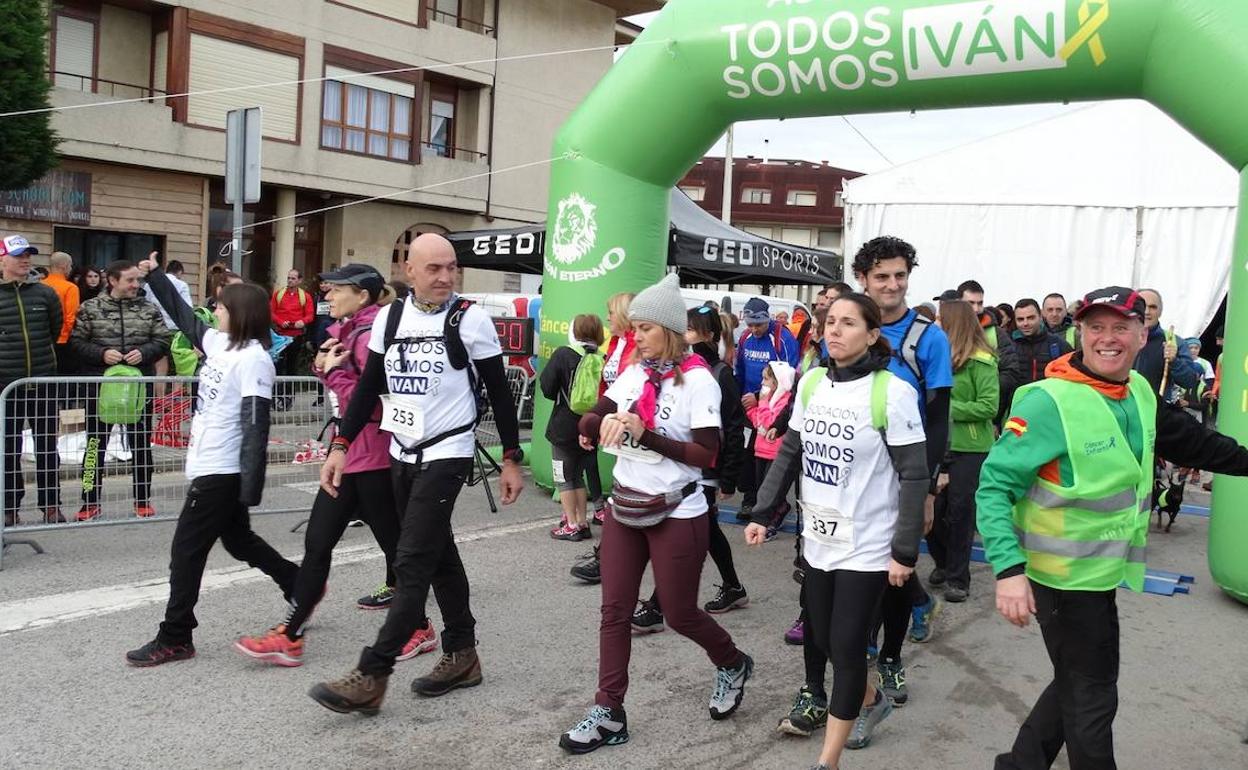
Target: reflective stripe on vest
[(1091, 536)]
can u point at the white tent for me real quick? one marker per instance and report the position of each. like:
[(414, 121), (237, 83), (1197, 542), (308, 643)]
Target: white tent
[(1116, 193)]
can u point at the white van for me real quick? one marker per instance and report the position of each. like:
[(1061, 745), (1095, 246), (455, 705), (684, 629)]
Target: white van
[(734, 301)]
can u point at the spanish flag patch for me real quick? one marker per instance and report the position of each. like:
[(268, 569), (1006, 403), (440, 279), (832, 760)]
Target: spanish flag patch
[(1016, 425)]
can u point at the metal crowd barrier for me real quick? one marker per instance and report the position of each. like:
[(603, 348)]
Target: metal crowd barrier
[(48, 454), (522, 393)]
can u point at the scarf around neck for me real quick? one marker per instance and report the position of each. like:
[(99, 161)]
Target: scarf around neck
[(656, 371)]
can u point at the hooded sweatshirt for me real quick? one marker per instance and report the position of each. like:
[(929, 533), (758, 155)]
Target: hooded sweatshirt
[(371, 449), (770, 406), (754, 353), (1034, 443)]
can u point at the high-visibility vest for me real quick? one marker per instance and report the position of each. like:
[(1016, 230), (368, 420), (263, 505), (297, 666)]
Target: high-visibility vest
[(1070, 335), (1091, 536)]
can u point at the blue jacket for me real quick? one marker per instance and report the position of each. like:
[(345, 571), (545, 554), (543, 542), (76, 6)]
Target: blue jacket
[(754, 353), (1151, 362)]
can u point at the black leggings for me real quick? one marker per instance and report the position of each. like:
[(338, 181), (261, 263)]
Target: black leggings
[(721, 550), (895, 613), (841, 605), (366, 495)]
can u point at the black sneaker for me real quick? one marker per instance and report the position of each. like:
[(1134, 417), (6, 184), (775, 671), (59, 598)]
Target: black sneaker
[(809, 713), (157, 652), (647, 619), (588, 568), (937, 577), (727, 599), (955, 594), (379, 599), (730, 688), (745, 513), (602, 726)]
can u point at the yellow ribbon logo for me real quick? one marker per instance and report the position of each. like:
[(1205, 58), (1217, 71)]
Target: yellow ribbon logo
[(1089, 31)]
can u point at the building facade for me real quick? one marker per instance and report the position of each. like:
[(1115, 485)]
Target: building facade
[(792, 201), (414, 113)]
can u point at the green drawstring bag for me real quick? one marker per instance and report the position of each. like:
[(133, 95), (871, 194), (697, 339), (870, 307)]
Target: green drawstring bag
[(185, 360), (122, 399)]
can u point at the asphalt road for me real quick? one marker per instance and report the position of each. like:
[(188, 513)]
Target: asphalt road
[(67, 617)]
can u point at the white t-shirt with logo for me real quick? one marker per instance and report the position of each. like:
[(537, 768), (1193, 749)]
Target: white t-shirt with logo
[(419, 372), (848, 478), (225, 379), (613, 364), (680, 409)]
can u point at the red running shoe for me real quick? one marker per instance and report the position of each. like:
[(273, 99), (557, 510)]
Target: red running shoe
[(424, 640), (89, 512), (144, 511), (272, 647)]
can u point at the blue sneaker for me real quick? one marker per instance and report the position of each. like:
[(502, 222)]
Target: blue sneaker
[(923, 618)]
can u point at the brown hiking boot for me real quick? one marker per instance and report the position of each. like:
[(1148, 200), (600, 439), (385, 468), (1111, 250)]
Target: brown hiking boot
[(354, 692), (53, 516), (455, 669)]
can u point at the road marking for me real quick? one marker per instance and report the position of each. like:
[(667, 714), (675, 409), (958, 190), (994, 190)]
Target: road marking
[(44, 611)]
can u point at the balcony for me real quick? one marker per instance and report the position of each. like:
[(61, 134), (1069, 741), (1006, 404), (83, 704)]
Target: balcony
[(462, 22), (436, 150), (101, 86)]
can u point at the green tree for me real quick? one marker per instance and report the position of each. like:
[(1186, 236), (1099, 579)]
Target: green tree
[(27, 143)]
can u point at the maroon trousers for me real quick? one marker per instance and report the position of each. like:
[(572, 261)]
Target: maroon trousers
[(677, 549)]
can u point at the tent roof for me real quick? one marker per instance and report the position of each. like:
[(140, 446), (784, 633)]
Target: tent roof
[(705, 249), (1125, 154)]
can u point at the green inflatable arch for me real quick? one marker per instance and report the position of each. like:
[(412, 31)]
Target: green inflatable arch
[(702, 65)]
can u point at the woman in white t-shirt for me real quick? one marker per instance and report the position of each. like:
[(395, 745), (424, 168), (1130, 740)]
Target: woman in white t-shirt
[(661, 418), (225, 461), (857, 441)]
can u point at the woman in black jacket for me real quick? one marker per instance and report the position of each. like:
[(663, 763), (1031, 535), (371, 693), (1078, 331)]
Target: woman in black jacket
[(570, 463), (718, 483)]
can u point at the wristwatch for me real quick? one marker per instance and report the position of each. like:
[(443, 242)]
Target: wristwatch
[(515, 455)]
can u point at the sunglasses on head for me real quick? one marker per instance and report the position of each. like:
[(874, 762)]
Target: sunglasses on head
[(706, 309)]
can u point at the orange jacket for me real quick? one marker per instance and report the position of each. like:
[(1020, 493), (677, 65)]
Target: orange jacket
[(67, 293)]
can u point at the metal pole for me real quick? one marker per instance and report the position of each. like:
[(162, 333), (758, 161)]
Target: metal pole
[(726, 214), (236, 246)]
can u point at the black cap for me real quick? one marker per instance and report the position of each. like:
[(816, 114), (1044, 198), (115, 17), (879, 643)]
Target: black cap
[(1127, 303), (364, 276), (948, 295)]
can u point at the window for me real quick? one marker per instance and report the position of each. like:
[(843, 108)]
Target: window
[(756, 195), (369, 121), (802, 198), (796, 236), (100, 248), (442, 103), (695, 192), (74, 50), (839, 200)]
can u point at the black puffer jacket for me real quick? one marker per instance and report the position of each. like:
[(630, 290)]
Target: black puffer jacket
[(30, 322), (105, 323)]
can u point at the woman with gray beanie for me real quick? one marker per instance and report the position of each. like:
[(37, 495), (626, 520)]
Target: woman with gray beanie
[(661, 419)]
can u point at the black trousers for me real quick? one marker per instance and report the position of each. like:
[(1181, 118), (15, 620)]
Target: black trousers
[(427, 557), (35, 405), (953, 531), (138, 439), (895, 614), (366, 495), (212, 511), (1077, 709), (749, 482), (841, 605), (720, 549)]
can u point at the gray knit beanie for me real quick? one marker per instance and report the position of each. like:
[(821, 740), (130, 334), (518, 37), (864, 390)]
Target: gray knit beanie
[(661, 304)]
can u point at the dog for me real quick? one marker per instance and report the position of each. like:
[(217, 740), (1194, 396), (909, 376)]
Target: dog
[(1167, 498)]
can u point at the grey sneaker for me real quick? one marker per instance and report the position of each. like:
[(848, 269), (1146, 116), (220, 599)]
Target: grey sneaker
[(937, 577), (868, 719), (892, 675), (730, 688), (602, 726), (955, 594)]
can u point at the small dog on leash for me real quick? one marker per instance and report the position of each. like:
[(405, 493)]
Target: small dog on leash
[(1167, 497)]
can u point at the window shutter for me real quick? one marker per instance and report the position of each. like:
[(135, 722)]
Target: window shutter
[(75, 52), (222, 64)]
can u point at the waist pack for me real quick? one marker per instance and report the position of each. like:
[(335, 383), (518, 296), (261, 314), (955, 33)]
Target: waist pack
[(639, 510), (121, 400)]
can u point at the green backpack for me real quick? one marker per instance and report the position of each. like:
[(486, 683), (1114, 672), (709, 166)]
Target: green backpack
[(185, 360), (121, 402), (583, 394), (879, 393)]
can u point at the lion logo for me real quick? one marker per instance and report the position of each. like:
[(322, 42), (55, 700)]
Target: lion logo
[(575, 229)]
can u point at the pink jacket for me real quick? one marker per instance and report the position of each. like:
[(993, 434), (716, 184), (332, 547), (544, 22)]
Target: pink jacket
[(371, 449), (761, 417)]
